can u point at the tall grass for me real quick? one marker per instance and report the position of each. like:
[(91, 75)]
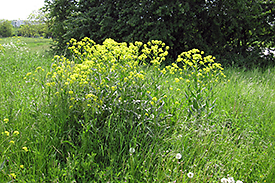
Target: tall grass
[(157, 125)]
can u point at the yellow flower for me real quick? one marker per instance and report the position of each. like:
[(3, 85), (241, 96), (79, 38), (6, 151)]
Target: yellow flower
[(177, 80), (187, 81), (71, 92), (38, 68), (177, 103), (154, 99), (11, 142), (113, 88), (7, 133), (152, 102), (6, 120), (12, 175), (146, 114), (16, 133), (21, 166), (29, 73), (25, 149)]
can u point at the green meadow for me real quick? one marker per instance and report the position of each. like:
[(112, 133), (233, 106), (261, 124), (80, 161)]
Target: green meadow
[(109, 113)]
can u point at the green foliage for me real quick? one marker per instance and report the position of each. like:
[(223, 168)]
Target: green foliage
[(6, 28), (217, 27)]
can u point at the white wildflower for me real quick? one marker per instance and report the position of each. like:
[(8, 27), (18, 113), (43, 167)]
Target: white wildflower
[(178, 156), (190, 175), (224, 180), (231, 180), (132, 150)]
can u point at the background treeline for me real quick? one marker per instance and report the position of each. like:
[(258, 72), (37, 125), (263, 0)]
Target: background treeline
[(226, 29), (35, 26)]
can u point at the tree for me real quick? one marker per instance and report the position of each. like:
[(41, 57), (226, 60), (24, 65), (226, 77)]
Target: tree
[(59, 11), (6, 28), (216, 26)]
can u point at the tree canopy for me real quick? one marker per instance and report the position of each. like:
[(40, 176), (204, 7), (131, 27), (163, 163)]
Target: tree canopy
[(215, 26)]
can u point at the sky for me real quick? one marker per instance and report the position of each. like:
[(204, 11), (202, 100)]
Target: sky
[(18, 9)]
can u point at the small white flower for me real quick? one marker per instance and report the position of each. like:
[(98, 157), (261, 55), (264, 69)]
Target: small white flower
[(190, 175), (231, 180), (132, 150), (224, 180), (178, 156), (238, 181)]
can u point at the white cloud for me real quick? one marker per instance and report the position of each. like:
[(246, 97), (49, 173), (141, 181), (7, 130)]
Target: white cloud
[(18, 9)]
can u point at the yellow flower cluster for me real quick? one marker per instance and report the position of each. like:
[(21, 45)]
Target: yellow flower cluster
[(101, 67), (195, 68), (155, 51), (98, 71)]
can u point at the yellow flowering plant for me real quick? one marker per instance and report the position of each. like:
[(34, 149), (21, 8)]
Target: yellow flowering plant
[(200, 73), (103, 77), (118, 95), (107, 79)]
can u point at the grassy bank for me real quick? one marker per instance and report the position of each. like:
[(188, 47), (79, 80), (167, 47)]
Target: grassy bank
[(153, 126)]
